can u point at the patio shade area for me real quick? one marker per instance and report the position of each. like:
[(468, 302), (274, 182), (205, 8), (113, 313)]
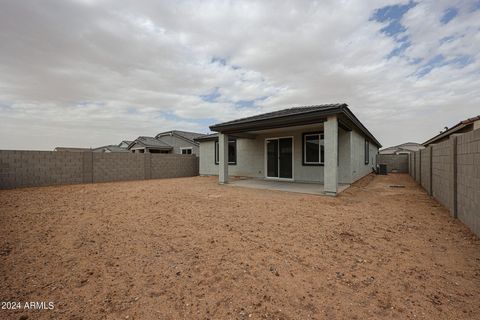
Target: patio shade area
[(287, 186)]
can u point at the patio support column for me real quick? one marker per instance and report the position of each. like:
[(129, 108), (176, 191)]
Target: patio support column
[(331, 156), (222, 158)]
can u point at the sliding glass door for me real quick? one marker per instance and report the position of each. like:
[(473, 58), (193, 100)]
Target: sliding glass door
[(279, 158)]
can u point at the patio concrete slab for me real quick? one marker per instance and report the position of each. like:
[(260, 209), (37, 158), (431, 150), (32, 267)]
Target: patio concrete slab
[(298, 187)]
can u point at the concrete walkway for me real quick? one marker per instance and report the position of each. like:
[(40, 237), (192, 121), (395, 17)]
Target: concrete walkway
[(298, 187)]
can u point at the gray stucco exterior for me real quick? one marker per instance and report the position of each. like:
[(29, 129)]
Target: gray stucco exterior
[(251, 158)]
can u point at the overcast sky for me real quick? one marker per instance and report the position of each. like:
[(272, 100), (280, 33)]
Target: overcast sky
[(89, 73)]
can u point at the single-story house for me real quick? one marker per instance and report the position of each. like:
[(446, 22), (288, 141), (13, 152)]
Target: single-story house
[(404, 148), (174, 141), (324, 144), (149, 144), (110, 148), (124, 144), (182, 142), (461, 127)]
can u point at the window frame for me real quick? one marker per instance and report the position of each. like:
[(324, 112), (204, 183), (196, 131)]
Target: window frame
[(186, 148), (216, 152), (366, 151), (304, 149)]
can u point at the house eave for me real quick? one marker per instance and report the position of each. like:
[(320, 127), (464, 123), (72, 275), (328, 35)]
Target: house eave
[(305, 118)]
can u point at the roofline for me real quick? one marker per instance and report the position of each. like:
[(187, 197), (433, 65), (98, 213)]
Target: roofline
[(248, 120), (455, 128), (441, 135), (354, 119), (124, 141), (208, 137), (147, 146), (153, 147), (172, 132), (306, 117)]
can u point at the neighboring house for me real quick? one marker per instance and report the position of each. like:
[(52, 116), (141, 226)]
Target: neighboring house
[(404, 148), (461, 127), (182, 142), (71, 149), (124, 144), (324, 144), (149, 144), (175, 141), (110, 148)]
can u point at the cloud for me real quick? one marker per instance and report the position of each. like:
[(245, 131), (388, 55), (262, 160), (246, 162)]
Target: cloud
[(88, 73)]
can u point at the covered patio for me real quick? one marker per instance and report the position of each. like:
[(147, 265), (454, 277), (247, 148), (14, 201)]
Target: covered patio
[(277, 139), (297, 187), (318, 149)]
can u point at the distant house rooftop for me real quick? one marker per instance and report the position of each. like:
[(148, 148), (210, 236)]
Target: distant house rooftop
[(467, 125), (110, 148), (187, 135), (150, 142), (71, 149), (402, 148)]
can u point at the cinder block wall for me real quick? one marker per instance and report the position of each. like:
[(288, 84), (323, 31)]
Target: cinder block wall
[(455, 176), (173, 165), (118, 166), (39, 168), (46, 168), (468, 179), (417, 166), (441, 173), (394, 162), (425, 168)]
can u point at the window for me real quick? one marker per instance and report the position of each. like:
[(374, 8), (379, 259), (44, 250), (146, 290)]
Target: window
[(367, 151), (186, 150), (232, 152), (313, 149)]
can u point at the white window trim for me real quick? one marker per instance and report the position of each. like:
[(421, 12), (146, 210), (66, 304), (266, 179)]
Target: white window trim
[(320, 138), (186, 148)]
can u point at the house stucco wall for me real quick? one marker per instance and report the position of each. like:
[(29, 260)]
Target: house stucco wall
[(357, 156), (345, 161), (251, 157)]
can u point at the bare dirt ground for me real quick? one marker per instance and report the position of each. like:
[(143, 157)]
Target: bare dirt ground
[(191, 249)]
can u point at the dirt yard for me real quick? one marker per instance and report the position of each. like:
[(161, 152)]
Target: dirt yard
[(191, 249)]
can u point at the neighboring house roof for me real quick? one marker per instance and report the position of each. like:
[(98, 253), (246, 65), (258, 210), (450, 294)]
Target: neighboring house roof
[(461, 126), (404, 147), (293, 116), (207, 137), (110, 148), (150, 142), (72, 149), (127, 142), (186, 135)]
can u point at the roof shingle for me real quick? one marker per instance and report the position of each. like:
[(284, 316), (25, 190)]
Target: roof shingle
[(284, 113)]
